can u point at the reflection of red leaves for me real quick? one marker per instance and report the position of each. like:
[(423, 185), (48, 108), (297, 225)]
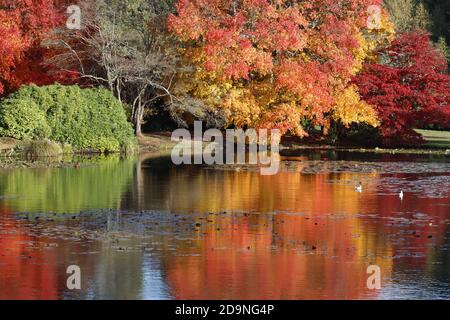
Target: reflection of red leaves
[(277, 241), (34, 277), (411, 90)]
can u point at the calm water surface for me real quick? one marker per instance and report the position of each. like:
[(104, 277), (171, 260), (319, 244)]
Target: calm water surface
[(145, 229)]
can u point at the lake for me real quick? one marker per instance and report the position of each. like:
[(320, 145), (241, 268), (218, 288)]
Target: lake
[(146, 229)]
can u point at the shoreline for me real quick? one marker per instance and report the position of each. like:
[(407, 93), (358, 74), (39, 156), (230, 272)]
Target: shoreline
[(158, 144), (377, 150)]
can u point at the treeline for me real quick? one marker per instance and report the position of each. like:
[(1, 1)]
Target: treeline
[(430, 15), (339, 69), (439, 13)]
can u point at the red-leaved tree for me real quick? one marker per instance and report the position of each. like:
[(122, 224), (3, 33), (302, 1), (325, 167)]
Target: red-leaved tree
[(24, 24), (409, 88)]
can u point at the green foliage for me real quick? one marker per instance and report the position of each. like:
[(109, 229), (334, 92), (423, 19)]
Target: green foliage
[(22, 119), (130, 51), (87, 119), (430, 15), (422, 19), (441, 44), (440, 14), (67, 148), (409, 15), (130, 147)]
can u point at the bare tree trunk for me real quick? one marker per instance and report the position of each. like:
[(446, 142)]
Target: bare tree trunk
[(138, 129), (119, 91), (139, 113), (139, 184)]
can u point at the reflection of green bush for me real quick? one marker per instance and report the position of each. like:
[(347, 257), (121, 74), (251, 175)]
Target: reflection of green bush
[(95, 186), (87, 119)]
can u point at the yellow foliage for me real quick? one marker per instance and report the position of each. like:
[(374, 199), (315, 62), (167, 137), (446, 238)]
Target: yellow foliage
[(372, 39), (309, 83), (351, 109)]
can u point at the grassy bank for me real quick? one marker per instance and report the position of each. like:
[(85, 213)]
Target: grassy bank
[(436, 139), (13, 153), (438, 142), (156, 142)]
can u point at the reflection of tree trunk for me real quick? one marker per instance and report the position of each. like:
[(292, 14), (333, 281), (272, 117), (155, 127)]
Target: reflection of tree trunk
[(139, 184)]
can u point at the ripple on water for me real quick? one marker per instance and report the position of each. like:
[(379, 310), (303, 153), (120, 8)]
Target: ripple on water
[(312, 167)]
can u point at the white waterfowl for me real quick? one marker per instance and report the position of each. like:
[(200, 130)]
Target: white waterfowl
[(358, 188), (401, 195)]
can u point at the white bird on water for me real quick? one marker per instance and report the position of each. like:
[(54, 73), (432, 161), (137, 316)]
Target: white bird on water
[(401, 195), (358, 188)]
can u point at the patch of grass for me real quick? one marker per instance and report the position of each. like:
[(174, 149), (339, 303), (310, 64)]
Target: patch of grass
[(156, 142), (42, 149), (436, 139)]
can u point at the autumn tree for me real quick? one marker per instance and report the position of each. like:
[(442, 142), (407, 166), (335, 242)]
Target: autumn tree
[(275, 64), (24, 24), (409, 88)]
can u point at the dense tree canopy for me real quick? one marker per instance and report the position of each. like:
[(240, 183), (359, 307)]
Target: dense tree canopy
[(276, 63), (408, 15), (290, 65), (409, 88), (23, 25)]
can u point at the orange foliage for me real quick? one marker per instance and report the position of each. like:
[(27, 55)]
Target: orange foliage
[(272, 63)]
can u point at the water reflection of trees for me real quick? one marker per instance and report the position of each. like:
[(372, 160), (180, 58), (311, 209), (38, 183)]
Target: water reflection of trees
[(93, 185), (33, 265), (321, 249), (308, 255), (194, 188)]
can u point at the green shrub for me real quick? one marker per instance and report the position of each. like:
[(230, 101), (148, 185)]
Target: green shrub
[(66, 148), (21, 119), (130, 147), (87, 119)]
